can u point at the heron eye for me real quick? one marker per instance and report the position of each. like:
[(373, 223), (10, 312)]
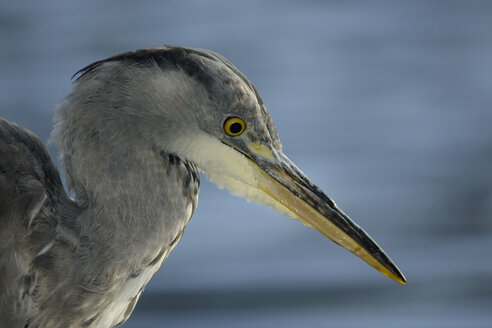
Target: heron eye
[(234, 126)]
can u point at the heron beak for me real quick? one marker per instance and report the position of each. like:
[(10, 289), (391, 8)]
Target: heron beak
[(278, 177)]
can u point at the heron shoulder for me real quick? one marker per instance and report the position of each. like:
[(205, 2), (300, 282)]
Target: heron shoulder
[(26, 168), (31, 199)]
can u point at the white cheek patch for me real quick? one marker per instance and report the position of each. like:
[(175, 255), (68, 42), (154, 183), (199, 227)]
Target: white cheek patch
[(251, 193), (227, 168)]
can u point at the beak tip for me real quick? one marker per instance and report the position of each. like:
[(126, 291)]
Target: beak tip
[(396, 275), (402, 280)]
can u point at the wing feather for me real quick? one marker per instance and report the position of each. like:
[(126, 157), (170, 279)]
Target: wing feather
[(31, 195)]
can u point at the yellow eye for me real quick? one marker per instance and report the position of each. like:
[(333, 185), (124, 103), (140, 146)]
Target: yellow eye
[(234, 126)]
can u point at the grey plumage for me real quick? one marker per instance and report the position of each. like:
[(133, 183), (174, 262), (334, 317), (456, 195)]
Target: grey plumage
[(60, 265), (132, 135), (64, 260)]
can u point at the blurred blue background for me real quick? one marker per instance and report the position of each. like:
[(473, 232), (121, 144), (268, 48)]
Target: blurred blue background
[(387, 105)]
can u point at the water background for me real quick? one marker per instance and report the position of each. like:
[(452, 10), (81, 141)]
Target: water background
[(387, 105)]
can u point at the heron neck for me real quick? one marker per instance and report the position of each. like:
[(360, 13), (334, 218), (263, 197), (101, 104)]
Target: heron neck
[(133, 190)]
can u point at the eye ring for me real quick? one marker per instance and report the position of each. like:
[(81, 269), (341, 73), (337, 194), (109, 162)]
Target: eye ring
[(234, 126)]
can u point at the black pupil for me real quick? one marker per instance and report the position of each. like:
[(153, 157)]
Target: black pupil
[(235, 128)]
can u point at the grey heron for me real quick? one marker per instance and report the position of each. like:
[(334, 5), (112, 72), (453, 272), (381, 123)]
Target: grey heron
[(133, 135)]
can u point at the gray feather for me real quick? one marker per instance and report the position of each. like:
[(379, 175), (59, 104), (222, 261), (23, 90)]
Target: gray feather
[(83, 262)]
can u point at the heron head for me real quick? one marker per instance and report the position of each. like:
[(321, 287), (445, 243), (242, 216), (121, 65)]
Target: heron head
[(195, 104)]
